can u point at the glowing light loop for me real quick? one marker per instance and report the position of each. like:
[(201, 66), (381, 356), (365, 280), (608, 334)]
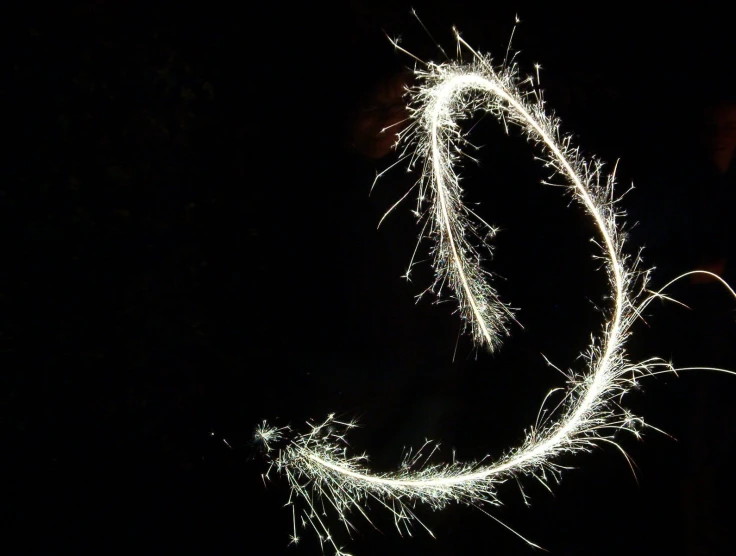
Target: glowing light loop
[(318, 465)]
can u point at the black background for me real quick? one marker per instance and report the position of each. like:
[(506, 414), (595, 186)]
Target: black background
[(190, 249)]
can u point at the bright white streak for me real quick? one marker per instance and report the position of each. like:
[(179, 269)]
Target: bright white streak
[(451, 88), (316, 464), (439, 170)]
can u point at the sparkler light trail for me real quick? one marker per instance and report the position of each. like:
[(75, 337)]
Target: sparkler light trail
[(322, 474)]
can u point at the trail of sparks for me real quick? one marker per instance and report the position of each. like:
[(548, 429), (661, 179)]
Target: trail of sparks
[(318, 466)]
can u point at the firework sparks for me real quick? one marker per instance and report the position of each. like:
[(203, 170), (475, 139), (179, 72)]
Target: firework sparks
[(319, 467)]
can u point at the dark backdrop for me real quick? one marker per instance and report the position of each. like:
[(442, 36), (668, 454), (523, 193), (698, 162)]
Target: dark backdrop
[(189, 249)]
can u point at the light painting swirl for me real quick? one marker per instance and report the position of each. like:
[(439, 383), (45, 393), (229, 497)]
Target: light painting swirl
[(322, 474)]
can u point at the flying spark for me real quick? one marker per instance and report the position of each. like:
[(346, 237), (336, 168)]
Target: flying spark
[(320, 467)]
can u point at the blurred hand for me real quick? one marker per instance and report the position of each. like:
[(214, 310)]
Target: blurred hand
[(716, 267), (380, 118)]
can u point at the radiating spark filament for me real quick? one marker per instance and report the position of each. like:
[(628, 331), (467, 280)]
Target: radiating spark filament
[(318, 465)]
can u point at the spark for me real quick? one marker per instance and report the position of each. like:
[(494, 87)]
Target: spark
[(265, 435), (322, 470)]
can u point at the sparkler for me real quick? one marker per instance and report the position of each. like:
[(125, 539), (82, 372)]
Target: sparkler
[(322, 474)]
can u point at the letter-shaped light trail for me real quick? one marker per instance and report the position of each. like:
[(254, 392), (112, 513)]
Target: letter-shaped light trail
[(318, 466)]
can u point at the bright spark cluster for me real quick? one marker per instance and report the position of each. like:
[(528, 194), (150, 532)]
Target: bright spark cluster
[(323, 474)]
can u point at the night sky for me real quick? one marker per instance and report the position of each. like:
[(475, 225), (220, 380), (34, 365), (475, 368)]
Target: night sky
[(191, 248)]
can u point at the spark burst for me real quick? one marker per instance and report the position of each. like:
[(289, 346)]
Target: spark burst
[(323, 475)]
